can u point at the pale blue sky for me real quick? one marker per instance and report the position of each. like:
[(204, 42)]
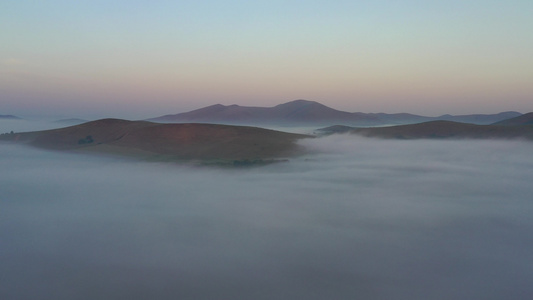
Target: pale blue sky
[(139, 59)]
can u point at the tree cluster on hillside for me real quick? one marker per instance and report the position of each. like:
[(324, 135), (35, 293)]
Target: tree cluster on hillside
[(87, 140)]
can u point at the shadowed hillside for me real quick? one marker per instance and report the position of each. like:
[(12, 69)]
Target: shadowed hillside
[(449, 130), (525, 119), (438, 130), (142, 139)]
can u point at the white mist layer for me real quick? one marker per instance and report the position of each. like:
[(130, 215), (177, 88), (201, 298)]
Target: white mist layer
[(358, 219)]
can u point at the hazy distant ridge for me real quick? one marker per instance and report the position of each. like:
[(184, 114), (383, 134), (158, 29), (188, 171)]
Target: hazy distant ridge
[(71, 121), (10, 117), (311, 113), (291, 113), (525, 119)]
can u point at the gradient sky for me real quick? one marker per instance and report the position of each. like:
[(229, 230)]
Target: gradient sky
[(140, 59)]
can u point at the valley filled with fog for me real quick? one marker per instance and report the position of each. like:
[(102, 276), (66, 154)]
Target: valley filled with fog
[(356, 218)]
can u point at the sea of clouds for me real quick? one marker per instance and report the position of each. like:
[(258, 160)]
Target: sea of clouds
[(356, 219)]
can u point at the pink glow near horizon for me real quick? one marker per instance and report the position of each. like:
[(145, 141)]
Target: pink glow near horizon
[(147, 60)]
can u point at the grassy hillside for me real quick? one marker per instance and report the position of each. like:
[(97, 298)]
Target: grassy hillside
[(447, 130), (146, 140)]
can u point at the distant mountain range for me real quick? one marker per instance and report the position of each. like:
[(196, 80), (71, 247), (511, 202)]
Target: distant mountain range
[(311, 113), (520, 127), (71, 121), (166, 142), (525, 119), (9, 117)]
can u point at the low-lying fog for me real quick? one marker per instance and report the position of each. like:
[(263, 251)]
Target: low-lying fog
[(359, 219)]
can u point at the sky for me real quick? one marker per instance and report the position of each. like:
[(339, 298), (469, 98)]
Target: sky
[(142, 59)]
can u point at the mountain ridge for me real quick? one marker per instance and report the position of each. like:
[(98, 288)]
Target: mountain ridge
[(525, 119), (440, 129), (10, 117), (311, 113)]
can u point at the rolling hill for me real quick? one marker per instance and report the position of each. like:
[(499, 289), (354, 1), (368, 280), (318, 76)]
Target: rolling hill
[(147, 140), (311, 113), (525, 119), (438, 130), (480, 119)]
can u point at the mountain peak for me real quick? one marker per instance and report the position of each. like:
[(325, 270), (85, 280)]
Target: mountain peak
[(299, 102), (304, 112), (525, 119)]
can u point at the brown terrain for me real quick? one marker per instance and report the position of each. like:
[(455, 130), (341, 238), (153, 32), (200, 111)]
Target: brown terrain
[(440, 130), (520, 127), (147, 140), (237, 144)]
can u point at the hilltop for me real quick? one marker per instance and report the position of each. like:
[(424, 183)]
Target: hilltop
[(525, 119), (438, 130), (180, 142)]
